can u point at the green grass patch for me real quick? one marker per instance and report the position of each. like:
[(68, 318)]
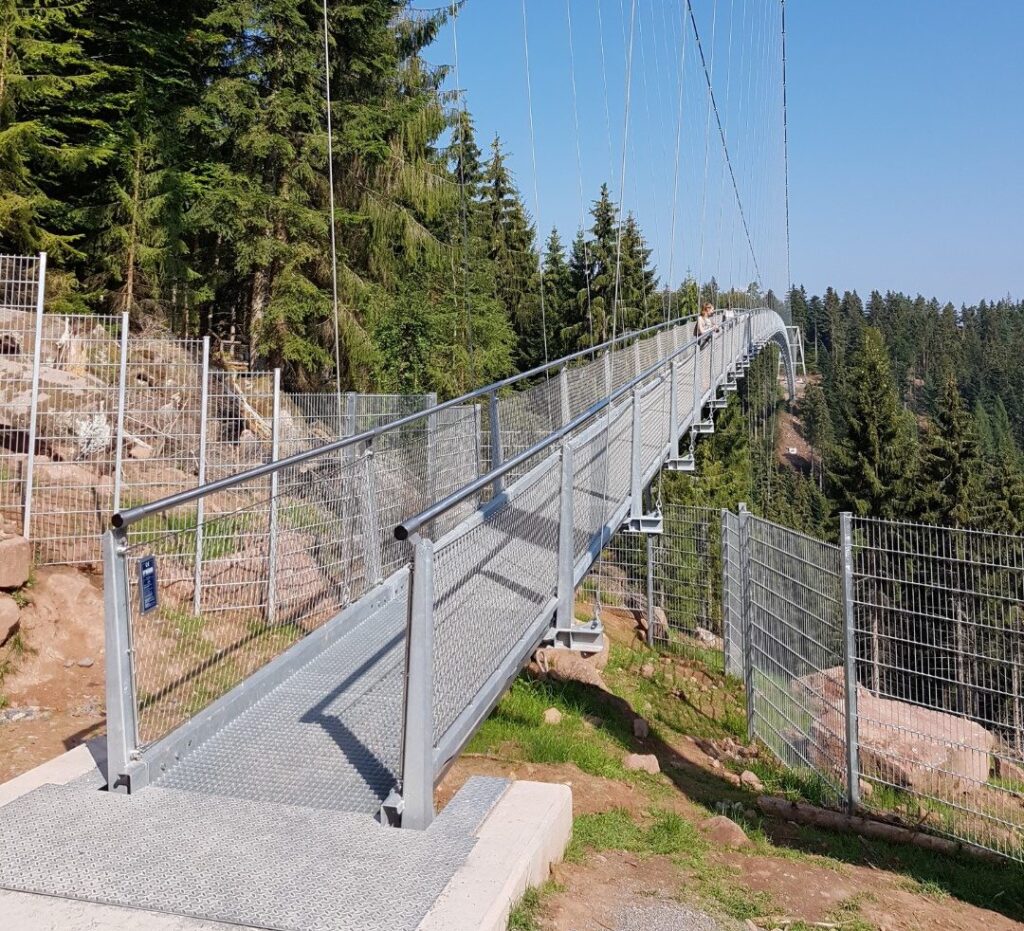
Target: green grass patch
[(519, 720), (667, 835), (526, 914)]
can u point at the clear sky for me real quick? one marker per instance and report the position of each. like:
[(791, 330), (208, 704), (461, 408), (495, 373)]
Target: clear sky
[(906, 122)]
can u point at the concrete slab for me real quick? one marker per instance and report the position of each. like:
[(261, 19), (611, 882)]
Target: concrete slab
[(513, 847), (525, 833)]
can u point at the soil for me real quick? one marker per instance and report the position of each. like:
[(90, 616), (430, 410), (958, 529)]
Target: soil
[(790, 435), (55, 694)]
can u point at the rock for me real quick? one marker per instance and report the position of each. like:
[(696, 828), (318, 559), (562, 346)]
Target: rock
[(647, 670), (642, 762), (592, 720), (570, 666), (725, 831), (8, 617), (715, 764), (141, 451), (67, 516), (732, 779), (641, 729), (866, 788), (708, 638), (86, 661), (902, 744), (15, 561), (1005, 769), (751, 781), (552, 716)]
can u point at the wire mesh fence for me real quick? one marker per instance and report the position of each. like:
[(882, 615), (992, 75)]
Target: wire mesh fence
[(939, 629), (887, 671), (669, 583)]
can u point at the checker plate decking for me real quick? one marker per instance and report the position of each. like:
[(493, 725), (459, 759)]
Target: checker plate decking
[(245, 862)]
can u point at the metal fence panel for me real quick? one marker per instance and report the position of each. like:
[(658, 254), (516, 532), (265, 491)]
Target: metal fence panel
[(795, 652), (939, 624)]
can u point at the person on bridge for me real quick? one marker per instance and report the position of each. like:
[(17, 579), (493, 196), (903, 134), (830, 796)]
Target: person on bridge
[(705, 324)]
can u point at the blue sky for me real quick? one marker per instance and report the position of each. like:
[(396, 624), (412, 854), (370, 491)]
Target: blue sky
[(906, 132)]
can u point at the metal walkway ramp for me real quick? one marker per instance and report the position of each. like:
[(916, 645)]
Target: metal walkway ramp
[(330, 628)]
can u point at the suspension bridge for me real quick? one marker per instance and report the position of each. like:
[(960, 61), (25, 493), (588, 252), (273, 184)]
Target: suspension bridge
[(296, 653)]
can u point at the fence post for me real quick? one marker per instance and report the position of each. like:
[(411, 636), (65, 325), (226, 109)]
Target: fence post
[(726, 579), (698, 385), (497, 454), (30, 462), (350, 409), (636, 358), (563, 391), (747, 615), (609, 375), (204, 400), (673, 410), (122, 723), (566, 543), (478, 430), (850, 666), (430, 459), (275, 438), (418, 729), (374, 572), (636, 505), (650, 589), (122, 388)]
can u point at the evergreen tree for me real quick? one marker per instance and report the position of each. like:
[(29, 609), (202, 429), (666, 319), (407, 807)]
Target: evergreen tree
[(948, 483), (818, 430), (872, 461)]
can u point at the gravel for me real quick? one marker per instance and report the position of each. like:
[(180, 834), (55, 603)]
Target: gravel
[(664, 916)]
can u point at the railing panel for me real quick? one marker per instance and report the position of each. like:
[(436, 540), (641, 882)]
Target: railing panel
[(491, 582)]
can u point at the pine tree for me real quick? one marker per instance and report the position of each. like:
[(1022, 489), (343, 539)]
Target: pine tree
[(872, 461), (45, 76), (948, 483), (818, 430)]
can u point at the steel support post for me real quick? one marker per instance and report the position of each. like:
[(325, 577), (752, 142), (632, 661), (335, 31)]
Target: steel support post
[(566, 543), (122, 389), (374, 571), (726, 579), (497, 454), (850, 665), (350, 413), (650, 590), (673, 409), (698, 385), (563, 393), (204, 404), (636, 358), (418, 725), (478, 421), (275, 438), (430, 459), (609, 375), (122, 723), (636, 505), (37, 354), (747, 616)]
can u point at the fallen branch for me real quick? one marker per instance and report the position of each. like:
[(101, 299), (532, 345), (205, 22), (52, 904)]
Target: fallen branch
[(803, 813)]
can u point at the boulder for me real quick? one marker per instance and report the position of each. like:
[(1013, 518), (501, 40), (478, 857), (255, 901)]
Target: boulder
[(708, 639), (751, 781), (902, 744), (642, 762), (15, 561), (552, 716), (641, 729), (8, 617), (67, 515), (1010, 770), (724, 831)]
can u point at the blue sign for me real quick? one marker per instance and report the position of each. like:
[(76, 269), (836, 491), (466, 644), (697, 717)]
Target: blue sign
[(147, 584)]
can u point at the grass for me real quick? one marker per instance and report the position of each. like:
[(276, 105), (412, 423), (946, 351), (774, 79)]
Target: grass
[(683, 698), (526, 914)]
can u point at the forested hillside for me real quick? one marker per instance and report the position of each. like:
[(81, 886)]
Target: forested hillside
[(172, 157), (919, 410)]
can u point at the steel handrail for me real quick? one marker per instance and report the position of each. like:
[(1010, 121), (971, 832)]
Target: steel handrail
[(408, 527), (126, 518)]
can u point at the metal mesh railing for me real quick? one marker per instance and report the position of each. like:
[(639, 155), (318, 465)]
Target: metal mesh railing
[(249, 567)]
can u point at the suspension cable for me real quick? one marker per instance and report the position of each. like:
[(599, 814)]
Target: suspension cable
[(721, 133), (463, 125), (785, 159), (334, 225)]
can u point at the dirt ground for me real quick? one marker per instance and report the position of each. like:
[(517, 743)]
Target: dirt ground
[(610, 881), (55, 693)]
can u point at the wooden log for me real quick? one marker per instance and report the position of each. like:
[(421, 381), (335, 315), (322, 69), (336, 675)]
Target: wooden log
[(803, 813)]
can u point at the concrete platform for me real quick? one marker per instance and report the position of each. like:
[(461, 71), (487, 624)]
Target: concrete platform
[(73, 857)]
